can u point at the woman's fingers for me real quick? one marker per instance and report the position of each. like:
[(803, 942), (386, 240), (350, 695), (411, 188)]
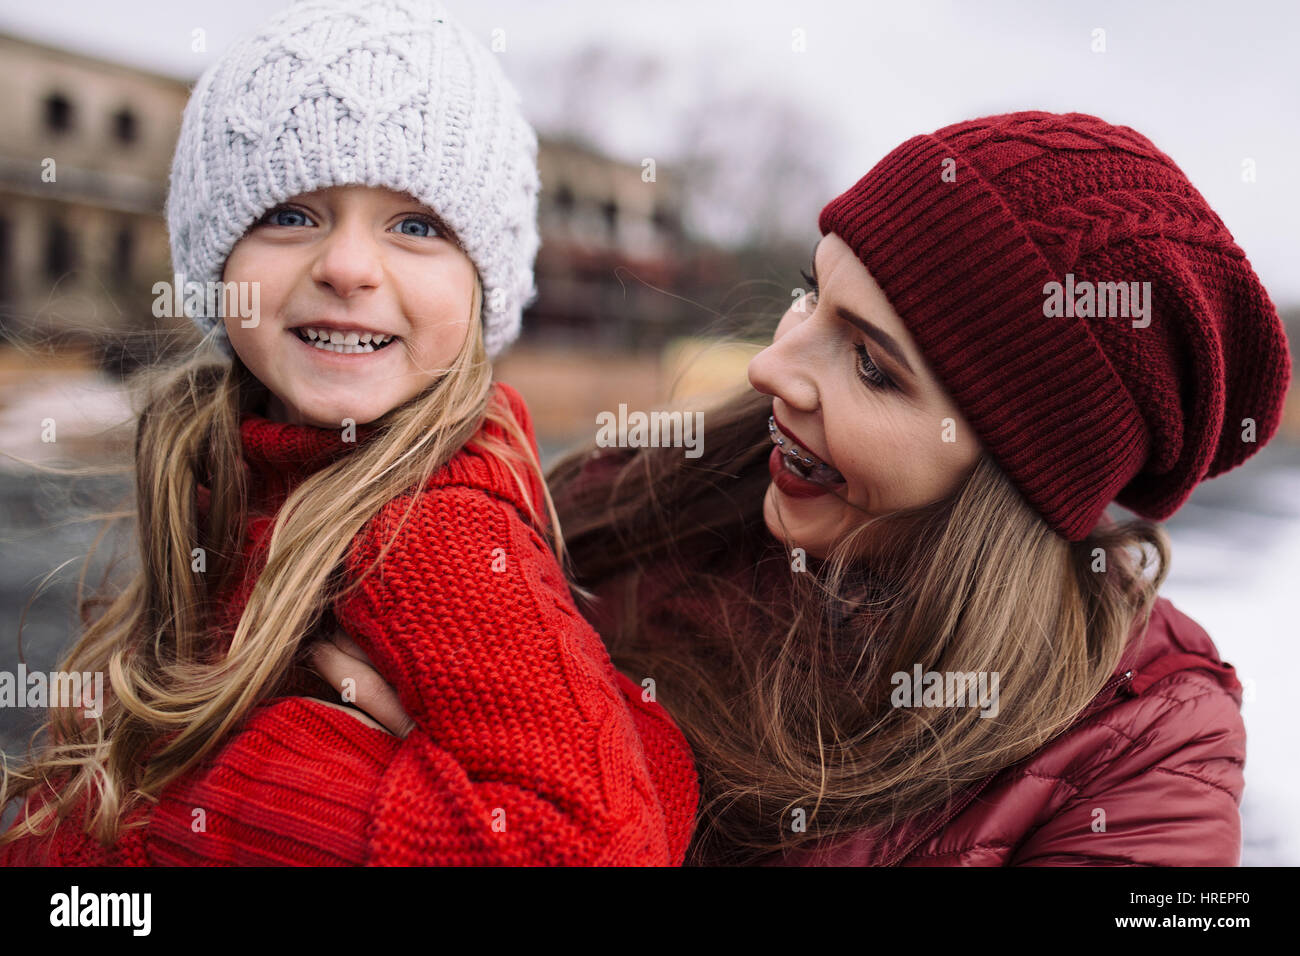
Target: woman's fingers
[(350, 673), (350, 647)]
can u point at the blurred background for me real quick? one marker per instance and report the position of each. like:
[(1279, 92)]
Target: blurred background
[(685, 151)]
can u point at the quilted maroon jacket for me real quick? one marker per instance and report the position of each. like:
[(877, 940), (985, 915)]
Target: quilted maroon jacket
[(1150, 774)]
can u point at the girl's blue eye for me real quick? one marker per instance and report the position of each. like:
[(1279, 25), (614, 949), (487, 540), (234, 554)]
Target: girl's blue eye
[(423, 220), (283, 211), (272, 217)]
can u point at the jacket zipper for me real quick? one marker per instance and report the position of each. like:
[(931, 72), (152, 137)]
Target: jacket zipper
[(1100, 701), (944, 822)]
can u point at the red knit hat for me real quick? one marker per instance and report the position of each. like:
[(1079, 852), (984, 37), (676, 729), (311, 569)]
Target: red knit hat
[(966, 228)]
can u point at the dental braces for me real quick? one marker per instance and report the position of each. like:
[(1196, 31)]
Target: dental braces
[(793, 451)]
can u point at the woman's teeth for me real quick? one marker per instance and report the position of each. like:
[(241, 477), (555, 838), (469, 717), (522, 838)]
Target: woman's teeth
[(819, 474), (801, 463), (332, 340)]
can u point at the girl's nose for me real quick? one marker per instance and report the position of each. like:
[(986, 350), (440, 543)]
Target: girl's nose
[(349, 260)]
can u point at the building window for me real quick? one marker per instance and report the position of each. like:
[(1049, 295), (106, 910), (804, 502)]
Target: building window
[(122, 248), (564, 198), (665, 219), (124, 126), (6, 253), (59, 254), (58, 113)]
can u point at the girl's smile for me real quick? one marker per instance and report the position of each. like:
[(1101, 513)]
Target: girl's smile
[(342, 341), (366, 299)]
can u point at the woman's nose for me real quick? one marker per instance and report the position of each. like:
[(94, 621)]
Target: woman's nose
[(349, 259), (783, 370)]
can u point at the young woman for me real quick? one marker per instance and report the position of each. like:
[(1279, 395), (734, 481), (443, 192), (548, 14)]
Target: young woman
[(351, 464), (886, 606)]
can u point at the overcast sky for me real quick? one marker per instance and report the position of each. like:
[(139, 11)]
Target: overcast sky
[(1212, 84)]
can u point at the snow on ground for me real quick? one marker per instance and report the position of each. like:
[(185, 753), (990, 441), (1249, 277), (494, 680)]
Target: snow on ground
[(86, 413), (1235, 569)]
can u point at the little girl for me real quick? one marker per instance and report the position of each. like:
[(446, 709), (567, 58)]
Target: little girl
[(350, 465)]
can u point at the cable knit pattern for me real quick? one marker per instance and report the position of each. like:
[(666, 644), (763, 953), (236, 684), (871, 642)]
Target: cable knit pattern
[(1096, 222), (529, 747)]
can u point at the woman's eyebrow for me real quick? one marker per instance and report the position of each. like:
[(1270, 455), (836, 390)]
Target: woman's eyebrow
[(880, 336)]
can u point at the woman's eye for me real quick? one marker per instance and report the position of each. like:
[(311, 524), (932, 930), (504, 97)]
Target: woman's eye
[(274, 214), (812, 282), (869, 372), (429, 224)]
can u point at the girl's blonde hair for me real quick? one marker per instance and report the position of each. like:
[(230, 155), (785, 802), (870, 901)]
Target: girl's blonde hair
[(785, 694), (173, 696)]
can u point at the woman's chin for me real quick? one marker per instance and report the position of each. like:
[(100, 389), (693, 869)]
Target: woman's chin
[(796, 539)]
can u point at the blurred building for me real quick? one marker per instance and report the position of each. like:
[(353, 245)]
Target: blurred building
[(85, 154), (616, 266)]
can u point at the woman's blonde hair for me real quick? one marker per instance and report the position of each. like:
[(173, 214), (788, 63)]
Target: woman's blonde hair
[(785, 694), (176, 693)]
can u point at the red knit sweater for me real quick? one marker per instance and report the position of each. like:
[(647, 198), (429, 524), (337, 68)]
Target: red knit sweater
[(529, 747)]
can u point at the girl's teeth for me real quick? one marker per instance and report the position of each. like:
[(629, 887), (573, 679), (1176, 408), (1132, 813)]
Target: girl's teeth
[(345, 342), (345, 349)]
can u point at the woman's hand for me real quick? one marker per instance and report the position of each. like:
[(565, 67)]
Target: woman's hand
[(339, 659)]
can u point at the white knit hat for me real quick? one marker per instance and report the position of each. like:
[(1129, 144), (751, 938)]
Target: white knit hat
[(388, 93)]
